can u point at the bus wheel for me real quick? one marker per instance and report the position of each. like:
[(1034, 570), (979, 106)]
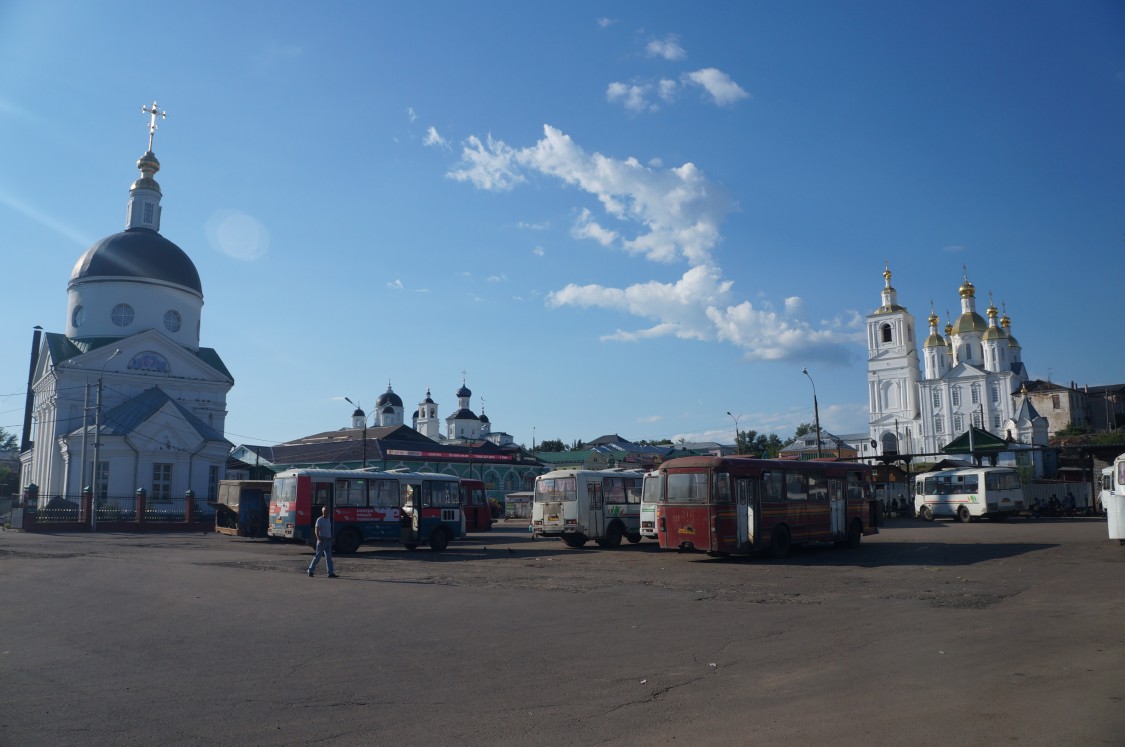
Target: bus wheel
[(410, 545), (612, 537), (574, 540), (633, 538), (348, 541), (855, 533), (926, 513), (963, 514), (779, 541), (439, 539)]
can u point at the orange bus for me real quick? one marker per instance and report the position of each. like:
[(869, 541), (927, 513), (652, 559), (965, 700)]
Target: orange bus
[(739, 505)]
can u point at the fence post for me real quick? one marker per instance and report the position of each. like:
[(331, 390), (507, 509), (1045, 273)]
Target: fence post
[(87, 504), (141, 495), (189, 505), (30, 506)]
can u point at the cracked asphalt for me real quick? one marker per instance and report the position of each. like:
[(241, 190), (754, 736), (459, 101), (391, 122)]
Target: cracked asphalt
[(935, 634)]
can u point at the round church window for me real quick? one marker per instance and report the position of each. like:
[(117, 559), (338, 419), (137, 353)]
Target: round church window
[(79, 316), (172, 321), (122, 315)]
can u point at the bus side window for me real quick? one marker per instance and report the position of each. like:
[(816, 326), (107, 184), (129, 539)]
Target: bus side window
[(796, 486), (773, 486), (818, 487), (722, 488), (594, 491)]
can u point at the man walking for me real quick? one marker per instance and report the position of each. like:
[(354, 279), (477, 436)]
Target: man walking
[(323, 531)]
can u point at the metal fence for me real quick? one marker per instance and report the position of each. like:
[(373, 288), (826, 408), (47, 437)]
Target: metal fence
[(113, 512)]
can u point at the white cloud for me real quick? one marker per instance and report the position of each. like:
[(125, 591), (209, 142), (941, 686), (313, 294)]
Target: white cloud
[(669, 48), (650, 419), (606, 22), (396, 284), (718, 84), (539, 251), (664, 215), (488, 165), (534, 226), (633, 97), (433, 138), (410, 115)]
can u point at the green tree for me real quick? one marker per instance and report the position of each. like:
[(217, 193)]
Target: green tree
[(803, 429), (8, 441), (552, 444), (744, 441), (767, 447)]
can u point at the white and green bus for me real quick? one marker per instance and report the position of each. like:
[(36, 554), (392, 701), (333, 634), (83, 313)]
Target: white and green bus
[(967, 494)]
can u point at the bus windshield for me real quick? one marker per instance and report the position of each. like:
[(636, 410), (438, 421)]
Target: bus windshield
[(555, 489), (690, 487)]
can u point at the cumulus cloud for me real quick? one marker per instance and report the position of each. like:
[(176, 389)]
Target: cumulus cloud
[(642, 97), (433, 138), (665, 215), (669, 48), (717, 84)]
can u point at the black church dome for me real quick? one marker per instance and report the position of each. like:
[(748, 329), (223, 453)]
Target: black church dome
[(139, 253)]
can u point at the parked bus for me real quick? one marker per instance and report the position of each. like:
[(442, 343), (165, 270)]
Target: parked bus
[(475, 506), (242, 507), (366, 506), (578, 505), (652, 493), (739, 505), (966, 494)]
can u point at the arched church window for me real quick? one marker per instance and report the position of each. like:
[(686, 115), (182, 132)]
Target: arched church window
[(974, 393), (937, 398), (958, 422), (995, 392), (122, 315), (939, 424), (890, 443), (172, 321), (955, 397), (886, 333), (79, 316)]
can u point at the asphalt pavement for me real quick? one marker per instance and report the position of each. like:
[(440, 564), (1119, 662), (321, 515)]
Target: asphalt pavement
[(927, 634)]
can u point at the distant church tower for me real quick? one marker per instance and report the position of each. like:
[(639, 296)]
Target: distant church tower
[(388, 408), (892, 373), (426, 419), (464, 423), (134, 303)]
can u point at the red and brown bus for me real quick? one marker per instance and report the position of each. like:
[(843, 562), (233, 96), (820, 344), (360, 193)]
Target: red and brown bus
[(475, 506), (740, 505)]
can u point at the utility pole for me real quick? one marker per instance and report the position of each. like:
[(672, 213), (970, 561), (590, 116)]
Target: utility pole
[(816, 410), (98, 443)]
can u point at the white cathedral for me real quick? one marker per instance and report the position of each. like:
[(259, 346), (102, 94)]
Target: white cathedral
[(127, 399), (972, 375)]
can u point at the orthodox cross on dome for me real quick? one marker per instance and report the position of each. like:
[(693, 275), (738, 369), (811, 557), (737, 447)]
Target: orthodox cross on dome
[(153, 112)]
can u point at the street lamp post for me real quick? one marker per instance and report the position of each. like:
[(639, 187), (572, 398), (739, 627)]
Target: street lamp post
[(816, 410), (98, 444), (737, 440), (360, 410)]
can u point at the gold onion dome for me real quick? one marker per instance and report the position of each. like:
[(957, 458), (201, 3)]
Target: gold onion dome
[(935, 339), (967, 290)]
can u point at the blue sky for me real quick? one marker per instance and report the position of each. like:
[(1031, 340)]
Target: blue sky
[(614, 217)]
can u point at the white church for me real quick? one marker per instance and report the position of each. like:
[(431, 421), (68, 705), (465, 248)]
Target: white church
[(127, 399), (972, 375), (462, 425)]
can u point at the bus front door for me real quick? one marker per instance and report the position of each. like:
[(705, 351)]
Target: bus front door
[(747, 510), (596, 516), (838, 506)]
